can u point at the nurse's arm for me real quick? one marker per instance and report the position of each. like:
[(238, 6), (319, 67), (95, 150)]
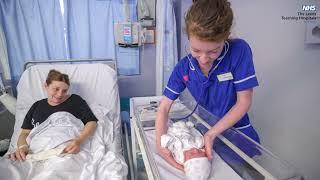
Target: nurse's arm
[(241, 107), (244, 99), (161, 128), (162, 118)]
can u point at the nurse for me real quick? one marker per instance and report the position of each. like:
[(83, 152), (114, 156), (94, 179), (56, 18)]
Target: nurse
[(219, 73)]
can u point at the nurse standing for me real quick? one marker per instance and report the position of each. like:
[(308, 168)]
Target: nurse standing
[(219, 73)]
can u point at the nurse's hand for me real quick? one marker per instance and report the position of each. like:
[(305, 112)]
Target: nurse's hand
[(208, 144), (167, 155)]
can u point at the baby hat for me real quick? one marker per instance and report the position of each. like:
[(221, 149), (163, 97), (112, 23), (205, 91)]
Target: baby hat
[(197, 168)]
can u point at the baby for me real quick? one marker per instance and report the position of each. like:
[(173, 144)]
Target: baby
[(185, 144)]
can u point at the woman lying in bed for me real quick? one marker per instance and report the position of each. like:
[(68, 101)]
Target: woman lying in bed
[(57, 86)]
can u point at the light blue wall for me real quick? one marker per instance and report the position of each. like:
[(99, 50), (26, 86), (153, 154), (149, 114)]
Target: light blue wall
[(286, 104), (144, 84)]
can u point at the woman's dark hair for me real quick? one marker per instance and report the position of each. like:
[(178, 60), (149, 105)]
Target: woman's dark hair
[(55, 75)]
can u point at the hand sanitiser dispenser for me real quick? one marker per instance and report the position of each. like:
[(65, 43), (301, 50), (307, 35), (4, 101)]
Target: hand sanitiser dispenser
[(127, 34)]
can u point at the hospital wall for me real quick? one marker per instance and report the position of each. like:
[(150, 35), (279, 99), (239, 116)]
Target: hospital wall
[(143, 84), (286, 104)]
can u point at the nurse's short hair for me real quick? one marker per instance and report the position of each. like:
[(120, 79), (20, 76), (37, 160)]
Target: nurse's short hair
[(55, 75), (209, 20)]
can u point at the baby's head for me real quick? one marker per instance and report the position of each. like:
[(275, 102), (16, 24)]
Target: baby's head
[(197, 165)]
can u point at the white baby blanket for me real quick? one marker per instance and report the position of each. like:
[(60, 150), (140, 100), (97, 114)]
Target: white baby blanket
[(180, 137)]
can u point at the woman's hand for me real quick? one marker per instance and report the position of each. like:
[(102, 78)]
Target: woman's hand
[(167, 155), (19, 154), (208, 143), (22, 145), (73, 147)]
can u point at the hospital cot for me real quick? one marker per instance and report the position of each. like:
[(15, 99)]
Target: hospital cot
[(264, 165), (94, 80)]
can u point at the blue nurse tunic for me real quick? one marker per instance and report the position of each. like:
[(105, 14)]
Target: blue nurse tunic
[(233, 71)]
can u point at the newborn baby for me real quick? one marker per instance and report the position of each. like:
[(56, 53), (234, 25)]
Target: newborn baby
[(185, 144)]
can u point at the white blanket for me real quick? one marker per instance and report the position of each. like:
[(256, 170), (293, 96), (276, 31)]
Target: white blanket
[(181, 136), (94, 161), (220, 169)]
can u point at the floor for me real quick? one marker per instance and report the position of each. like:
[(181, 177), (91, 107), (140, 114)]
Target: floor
[(7, 124), (6, 128)]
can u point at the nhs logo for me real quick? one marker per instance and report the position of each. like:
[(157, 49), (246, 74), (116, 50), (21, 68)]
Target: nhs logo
[(308, 8)]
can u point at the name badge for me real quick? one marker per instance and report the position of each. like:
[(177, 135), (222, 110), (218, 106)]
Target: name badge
[(225, 77)]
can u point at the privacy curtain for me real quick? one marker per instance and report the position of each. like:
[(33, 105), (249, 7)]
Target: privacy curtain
[(167, 49), (56, 29), (90, 28), (4, 63), (33, 30)]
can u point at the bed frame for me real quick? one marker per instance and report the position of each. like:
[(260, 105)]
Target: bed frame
[(267, 165), (109, 62)]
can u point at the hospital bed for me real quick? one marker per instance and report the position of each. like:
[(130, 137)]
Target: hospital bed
[(264, 165), (94, 80)]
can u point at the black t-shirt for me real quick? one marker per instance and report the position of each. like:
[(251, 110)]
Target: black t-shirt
[(41, 110)]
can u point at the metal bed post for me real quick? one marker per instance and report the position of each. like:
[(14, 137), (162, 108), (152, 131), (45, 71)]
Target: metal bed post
[(110, 62), (133, 144)]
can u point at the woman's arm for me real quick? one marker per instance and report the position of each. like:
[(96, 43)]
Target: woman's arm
[(22, 146), (88, 129), (244, 99), (161, 128), (74, 146), (22, 140)]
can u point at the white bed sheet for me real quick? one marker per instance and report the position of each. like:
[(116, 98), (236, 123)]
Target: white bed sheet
[(96, 83), (94, 161), (220, 169)]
